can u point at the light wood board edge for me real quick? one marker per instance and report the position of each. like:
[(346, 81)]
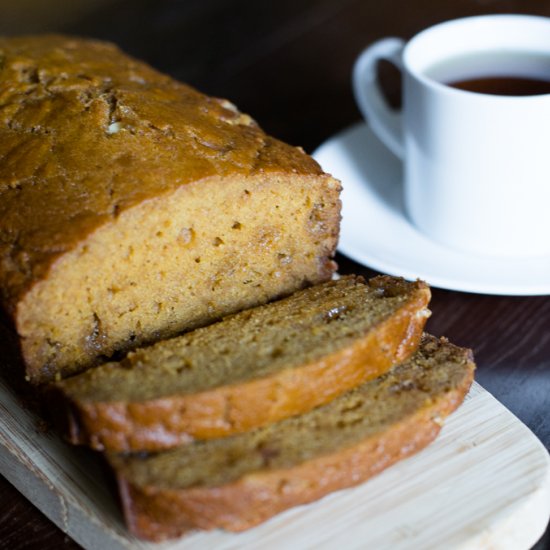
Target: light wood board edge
[(484, 483)]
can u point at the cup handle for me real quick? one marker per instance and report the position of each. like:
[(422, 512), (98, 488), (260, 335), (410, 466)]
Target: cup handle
[(385, 122)]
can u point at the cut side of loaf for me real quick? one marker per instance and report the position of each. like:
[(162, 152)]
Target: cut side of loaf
[(237, 482), (253, 368), (133, 207)]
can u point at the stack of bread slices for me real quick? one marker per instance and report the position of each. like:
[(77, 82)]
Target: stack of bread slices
[(275, 406), (142, 220)]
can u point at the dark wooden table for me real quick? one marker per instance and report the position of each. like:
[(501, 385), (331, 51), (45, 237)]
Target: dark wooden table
[(288, 64)]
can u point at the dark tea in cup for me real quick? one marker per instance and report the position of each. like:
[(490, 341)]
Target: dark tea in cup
[(497, 73)]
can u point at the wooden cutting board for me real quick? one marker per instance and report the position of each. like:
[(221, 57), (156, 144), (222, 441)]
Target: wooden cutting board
[(484, 483)]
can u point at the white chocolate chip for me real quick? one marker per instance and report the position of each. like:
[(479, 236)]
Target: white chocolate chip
[(114, 128)]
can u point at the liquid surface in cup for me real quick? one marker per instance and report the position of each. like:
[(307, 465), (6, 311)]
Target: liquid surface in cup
[(505, 85), (497, 73)]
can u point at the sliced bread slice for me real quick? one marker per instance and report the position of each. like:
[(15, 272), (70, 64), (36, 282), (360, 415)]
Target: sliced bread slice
[(239, 481), (251, 369)]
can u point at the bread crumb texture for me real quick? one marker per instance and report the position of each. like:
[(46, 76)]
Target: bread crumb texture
[(133, 207), (252, 368), (237, 482)]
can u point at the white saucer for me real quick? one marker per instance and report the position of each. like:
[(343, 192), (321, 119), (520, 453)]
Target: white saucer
[(376, 232)]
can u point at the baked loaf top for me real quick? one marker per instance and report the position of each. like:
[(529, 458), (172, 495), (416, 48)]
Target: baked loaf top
[(238, 481), (255, 367), (89, 132)]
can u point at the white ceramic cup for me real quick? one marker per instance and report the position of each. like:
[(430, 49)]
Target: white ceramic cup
[(476, 166)]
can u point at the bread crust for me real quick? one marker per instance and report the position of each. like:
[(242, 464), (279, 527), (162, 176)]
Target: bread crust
[(94, 145), (170, 421), (157, 513), (86, 100)]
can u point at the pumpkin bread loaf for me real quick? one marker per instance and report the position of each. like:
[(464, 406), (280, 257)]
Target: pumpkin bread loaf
[(133, 207), (237, 482), (250, 369)]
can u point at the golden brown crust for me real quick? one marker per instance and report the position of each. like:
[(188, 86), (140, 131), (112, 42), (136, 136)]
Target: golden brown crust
[(91, 132), (157, 514), (166, 422), (116, 182)]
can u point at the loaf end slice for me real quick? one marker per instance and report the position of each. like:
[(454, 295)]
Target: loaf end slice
[(237, 482), (253, 368)]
